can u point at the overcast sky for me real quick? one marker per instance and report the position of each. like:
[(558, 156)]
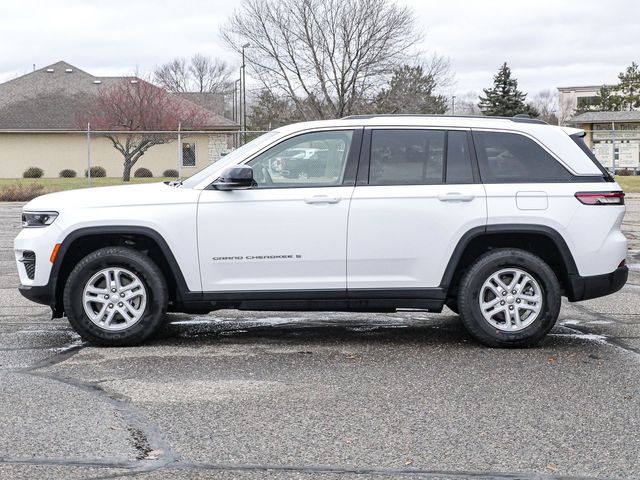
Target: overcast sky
[(547, 43)]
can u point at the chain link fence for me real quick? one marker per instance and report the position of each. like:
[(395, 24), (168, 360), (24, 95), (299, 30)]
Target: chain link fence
[(36, 162)]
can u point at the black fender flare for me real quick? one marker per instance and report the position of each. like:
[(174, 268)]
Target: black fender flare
[(552, 234), (182, 290)]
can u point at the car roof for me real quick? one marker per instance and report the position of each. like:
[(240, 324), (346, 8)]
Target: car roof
[(508, 123)]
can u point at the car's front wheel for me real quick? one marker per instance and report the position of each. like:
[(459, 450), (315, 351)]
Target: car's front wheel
[(115, 296), (509, 298)]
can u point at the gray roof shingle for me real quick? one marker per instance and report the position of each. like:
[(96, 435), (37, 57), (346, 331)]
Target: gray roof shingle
[(51, 98), (602, 117)]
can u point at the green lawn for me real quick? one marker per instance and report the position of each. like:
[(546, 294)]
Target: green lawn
[(629, 184), (57, 184)]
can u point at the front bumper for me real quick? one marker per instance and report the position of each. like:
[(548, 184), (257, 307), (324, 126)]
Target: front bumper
[(44, 295), (584, 288)]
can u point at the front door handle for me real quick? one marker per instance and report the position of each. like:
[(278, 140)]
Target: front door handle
[(455, 197), (321, 199)]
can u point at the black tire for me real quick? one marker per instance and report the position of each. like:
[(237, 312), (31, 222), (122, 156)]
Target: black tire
[(481, 270), (452, 304), (148, 273)]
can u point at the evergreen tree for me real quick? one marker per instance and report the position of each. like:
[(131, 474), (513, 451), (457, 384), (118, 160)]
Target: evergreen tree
[(622, 97), (504, 98), (629, 87), (410, 90), (269, 111)]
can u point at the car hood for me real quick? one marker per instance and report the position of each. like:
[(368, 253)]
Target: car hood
[(117, 196)]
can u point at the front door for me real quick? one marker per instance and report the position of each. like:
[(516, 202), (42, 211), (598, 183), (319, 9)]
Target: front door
[(290, 231)]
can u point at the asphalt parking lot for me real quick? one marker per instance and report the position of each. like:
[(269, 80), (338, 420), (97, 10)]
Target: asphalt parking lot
[(321, 395)]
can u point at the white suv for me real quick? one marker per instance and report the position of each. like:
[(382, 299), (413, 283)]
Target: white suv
[(496, 218)]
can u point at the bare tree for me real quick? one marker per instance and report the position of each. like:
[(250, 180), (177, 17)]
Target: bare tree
[(200, 74), (466, 104), (173, 76), (566, 107), (209, 75), (136, 112), (546, 102), (326, 56)]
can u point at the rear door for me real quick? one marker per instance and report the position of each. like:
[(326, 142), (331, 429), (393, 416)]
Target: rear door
[(417, 194)]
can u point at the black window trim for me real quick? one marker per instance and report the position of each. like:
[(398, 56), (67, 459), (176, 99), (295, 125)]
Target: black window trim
[(362, 178)]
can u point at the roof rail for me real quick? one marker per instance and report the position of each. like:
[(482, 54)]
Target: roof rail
[(520, 118)]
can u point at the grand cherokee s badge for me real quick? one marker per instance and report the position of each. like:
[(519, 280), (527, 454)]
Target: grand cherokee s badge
[(257, 257)]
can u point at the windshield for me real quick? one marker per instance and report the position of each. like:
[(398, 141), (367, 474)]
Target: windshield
[(230, 159)]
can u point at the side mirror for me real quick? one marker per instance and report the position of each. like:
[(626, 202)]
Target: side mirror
[(235, 178)]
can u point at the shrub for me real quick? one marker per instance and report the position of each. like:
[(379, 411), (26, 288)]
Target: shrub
[(143, 173), (21, 193), (625, 172), (170, 173), (96, 172), (67, 173), (33, 172)]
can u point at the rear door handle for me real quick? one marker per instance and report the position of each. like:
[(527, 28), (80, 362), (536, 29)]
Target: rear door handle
[(455, 197), (321, 199)]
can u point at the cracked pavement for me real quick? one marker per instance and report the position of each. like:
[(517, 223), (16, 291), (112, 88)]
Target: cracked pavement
[(321, 395)]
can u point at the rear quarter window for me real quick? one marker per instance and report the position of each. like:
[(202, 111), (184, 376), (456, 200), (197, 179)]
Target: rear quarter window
[(513, 158), (578, 138)]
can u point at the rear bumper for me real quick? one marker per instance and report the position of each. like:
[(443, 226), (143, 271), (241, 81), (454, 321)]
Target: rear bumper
[(584, 288)]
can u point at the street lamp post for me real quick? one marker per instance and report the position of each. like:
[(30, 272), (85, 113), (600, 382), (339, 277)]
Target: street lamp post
[(243, 121), (236, 109)]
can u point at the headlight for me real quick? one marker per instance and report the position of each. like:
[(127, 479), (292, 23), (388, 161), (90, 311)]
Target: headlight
[(38, 219)]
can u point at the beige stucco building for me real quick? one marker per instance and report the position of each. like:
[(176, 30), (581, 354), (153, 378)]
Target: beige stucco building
[(39, 128), (54, 152)]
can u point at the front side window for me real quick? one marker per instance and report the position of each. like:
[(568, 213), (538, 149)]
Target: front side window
[(514, 158), (310, 159), (188, 154), (406, 157)]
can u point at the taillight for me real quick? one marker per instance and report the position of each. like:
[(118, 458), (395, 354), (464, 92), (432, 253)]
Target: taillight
[(601, 198)]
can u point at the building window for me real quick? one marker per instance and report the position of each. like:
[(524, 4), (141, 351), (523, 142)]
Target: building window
[(188, 154)]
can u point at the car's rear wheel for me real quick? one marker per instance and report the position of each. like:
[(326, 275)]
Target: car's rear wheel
[(509, 298), (115, 296)]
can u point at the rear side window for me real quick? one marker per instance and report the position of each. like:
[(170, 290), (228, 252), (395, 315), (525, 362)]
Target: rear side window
[(458, 158), (513, 158), (407, 157)]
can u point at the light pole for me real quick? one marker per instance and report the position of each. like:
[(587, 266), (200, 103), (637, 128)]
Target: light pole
[(243, 122), (236, 109)]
